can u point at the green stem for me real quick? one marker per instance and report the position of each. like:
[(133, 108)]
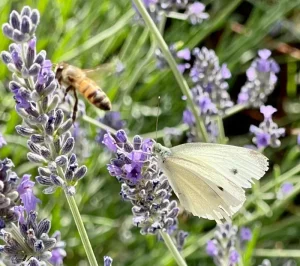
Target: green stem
[(81, 230), (172, 248), (79, 224), (277, 253), (172, 63), (98, 124), (222, 137), (235, 109)]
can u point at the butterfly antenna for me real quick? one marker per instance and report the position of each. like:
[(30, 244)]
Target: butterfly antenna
[(157, 115)]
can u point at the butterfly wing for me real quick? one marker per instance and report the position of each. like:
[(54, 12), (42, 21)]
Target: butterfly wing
[(209, 178)]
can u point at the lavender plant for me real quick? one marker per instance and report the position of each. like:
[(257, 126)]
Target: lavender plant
[(226, 246), (144, 185), (44, 125)]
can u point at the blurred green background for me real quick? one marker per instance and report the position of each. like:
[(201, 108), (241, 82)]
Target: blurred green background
[(89, 33)]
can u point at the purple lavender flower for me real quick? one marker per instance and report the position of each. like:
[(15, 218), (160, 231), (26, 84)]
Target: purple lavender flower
[(58, 252), (298, 139), (234, 257), (2, 141), (268, 133), (196, 14), (285, 189), (261, 80), (25, 190), (142, 183), (245, 234), (107, 261), (211, 248)]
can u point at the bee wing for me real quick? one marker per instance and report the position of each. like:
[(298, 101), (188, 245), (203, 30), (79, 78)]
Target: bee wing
[(99, 73)]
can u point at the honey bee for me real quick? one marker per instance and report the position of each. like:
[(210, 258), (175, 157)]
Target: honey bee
[(76, 79)]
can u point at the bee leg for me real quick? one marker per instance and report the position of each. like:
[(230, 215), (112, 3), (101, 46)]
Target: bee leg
[(66, 92), (75, 108)]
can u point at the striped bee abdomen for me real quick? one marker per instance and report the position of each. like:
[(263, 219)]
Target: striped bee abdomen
[(94, 94)]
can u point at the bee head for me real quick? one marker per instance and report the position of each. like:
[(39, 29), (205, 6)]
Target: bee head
[(58, 70)]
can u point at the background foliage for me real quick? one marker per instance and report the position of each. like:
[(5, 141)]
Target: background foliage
[(89, 33)]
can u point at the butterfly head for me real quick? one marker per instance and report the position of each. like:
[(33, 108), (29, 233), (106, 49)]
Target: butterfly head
[(161, 151)]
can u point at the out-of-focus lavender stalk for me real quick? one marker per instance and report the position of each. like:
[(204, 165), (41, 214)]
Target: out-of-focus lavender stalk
[(48, 131)]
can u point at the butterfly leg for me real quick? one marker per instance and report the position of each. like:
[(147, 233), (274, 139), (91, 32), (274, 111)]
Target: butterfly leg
[(75, 108), (66, 92)]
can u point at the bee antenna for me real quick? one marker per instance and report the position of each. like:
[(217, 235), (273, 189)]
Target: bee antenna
[(158, 104)]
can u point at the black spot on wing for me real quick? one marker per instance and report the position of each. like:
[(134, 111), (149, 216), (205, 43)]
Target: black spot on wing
[(234, 171), (222, 189)]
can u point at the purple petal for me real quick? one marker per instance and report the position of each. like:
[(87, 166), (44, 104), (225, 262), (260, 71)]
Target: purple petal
[(110, 142), (268, 111), (184, 54), (264, 53), (251, 74), (196, 8), (225, 72)]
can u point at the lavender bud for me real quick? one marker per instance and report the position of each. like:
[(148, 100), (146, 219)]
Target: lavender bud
[(33, 147), (121, 136), (71, 191), (69, 175), (24, 131), (35, 158), (50, 88), (34, 69), (68, 146), (49, 128), (107, 261), (46, 153), (35, 17), (43, 227), (173, 213), (49, 244), (35, 138), (58, 181), (80, 173), (18, 36), (65, 127), (52, 167), (6, 57), (7, 30), (26, 11), (61, 160), (40, 57), (50, 190), (54, 103), (44, 171), (25, 25), (11, 67), (44, 180), (45, 103), (137, 142), (15, 20), (59, 118)]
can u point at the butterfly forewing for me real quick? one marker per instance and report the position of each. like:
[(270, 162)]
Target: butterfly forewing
[(199, 194), (209, 178)]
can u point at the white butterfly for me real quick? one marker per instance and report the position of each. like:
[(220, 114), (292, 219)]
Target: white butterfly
[(209, 178)]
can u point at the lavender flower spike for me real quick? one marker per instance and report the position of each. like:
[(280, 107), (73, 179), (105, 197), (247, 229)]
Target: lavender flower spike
[(261, 80), (143, 184), (36, 94), (29, 243)]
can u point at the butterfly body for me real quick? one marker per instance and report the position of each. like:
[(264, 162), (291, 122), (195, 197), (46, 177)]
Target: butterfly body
[(209, 179)]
